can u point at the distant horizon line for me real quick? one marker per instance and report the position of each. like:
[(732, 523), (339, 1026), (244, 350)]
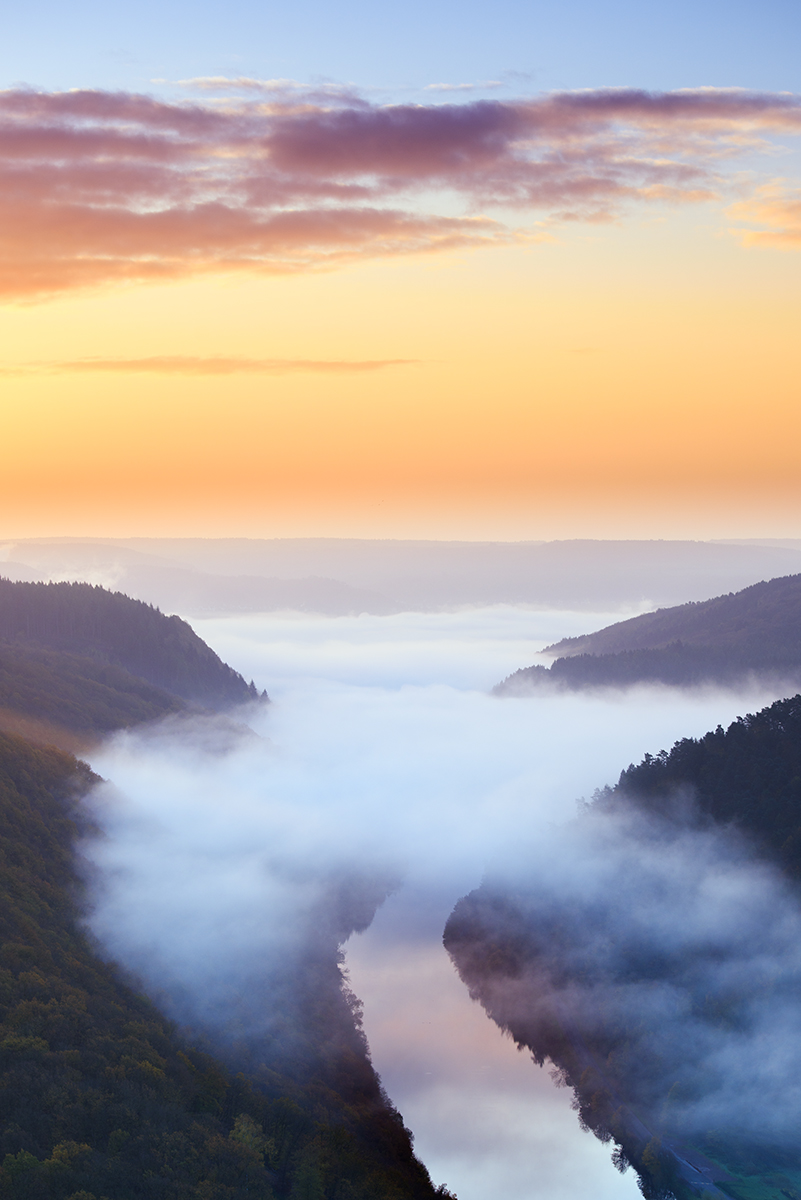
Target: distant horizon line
[(114, 539)]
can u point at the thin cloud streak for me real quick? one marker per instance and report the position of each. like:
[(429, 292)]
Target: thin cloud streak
[(99, 187), (463, 87), (179, 364)]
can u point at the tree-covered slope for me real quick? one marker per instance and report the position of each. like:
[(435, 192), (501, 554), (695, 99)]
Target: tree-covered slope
[(650, 952), (755, 632), (764, 620), (100, 1096), (89, 621), (748, 775), (71, 694)]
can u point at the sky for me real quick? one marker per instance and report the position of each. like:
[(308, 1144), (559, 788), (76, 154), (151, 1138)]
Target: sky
[(438, 270), (384, 757)]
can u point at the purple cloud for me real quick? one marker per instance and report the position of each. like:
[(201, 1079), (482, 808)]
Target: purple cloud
[(100, 186)]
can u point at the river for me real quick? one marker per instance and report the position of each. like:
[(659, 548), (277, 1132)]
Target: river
[(385, 722)]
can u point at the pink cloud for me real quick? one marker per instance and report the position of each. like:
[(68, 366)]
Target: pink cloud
[(777, 209), (97, 187)]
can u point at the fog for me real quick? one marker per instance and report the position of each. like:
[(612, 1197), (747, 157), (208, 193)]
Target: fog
[(382, 761), (671, 951), (469, 648), (226, 576)]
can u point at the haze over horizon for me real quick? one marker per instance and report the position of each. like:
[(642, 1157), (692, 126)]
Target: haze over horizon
[(388, 346), (433, 273)]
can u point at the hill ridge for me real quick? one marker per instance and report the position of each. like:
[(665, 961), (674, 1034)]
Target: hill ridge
[(754, 633), (90, 621)]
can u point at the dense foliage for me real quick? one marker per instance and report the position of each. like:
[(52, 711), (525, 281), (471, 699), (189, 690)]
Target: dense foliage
[(519, 952), (99, 1095), (748, 775), (755, 632), (80, 694), (763, 620), (92, 622)]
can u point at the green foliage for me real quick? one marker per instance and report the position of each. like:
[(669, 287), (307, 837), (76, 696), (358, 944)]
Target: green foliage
[(101, 1099), (753, 632), (763, 620), (78, 693), (748, 775), (109, 627)]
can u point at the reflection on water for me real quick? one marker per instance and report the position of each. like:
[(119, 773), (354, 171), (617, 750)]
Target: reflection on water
[(486, 1119), (384, 739)]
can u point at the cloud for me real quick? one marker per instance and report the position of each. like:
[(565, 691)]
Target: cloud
[(106, 187), (670, 955), (322, 93), (384, 762), (365, 775), (242, 83), (464, 87), (778, 210), (182, 364)]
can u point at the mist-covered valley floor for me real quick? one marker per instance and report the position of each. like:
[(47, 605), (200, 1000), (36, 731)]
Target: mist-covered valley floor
[(382, 757)]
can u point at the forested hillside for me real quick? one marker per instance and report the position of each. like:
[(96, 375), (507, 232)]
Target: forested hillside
[(748, 775), (752, 633), (88, 621), (101, 1097), (764, 619), (657, 968), (69, 699)]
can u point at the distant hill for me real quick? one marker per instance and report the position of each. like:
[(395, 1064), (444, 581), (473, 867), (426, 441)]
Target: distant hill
[(755, 632), (202, 594), (338, 576), (602, 996), (104, 627), (763, 620), (101, 1097)]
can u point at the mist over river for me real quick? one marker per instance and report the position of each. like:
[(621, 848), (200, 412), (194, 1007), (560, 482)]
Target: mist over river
[(381, 748)]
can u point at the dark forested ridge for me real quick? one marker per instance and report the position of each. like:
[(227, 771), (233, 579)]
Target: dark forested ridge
[(752, 633), (101, 1098), (581, 978), (107, 627), (748, 775), (765, 619), (70, 700)]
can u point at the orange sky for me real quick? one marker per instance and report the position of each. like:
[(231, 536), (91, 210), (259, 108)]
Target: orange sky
[(638, 377)]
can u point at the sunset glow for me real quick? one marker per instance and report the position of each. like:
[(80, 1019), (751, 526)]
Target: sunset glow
[(260, 307), (400, 434)]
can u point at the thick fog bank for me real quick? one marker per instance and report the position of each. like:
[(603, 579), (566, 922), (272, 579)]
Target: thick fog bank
[(465, 648), (666, 954), (226, 858)]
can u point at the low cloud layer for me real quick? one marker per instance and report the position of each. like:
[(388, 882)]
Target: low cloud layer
[(665, 952), (227, 856), (100, 187), (240, 838)]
